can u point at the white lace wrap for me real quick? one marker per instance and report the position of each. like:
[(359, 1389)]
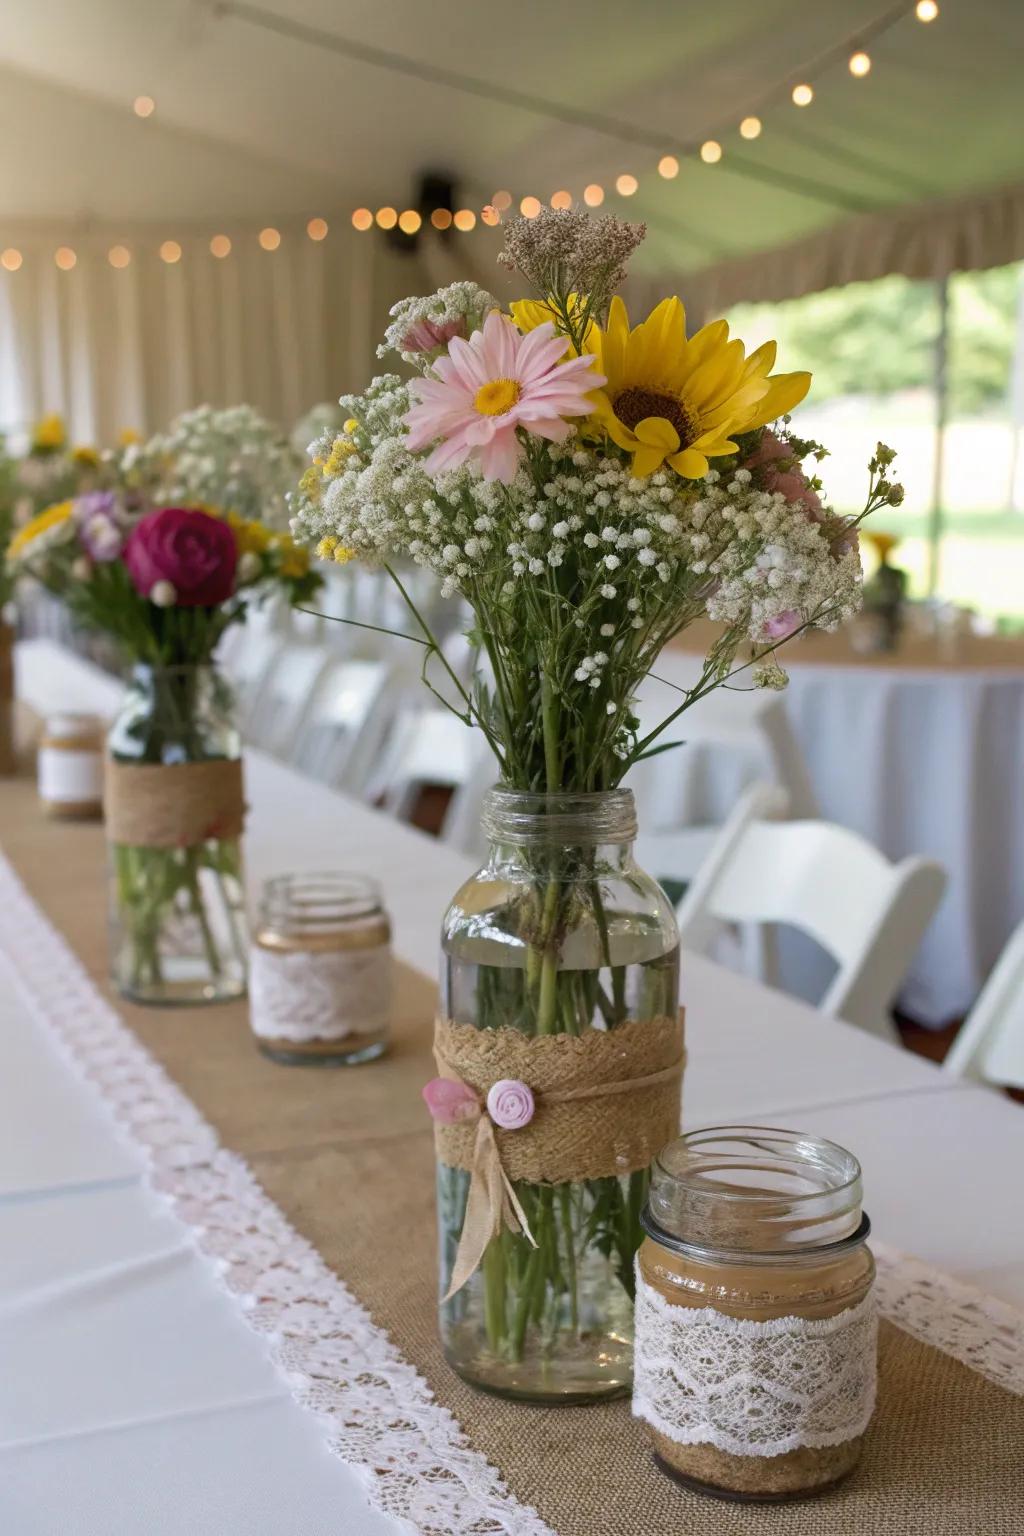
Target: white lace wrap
[(753, 1388), (305, 995)]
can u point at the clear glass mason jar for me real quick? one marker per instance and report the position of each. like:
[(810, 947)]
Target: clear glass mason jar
[(320, 980), (757, 1224), (177, 914), (559, 933)]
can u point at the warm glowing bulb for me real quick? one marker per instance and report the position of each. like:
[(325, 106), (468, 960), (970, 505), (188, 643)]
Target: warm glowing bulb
[(65, 258), (711, 152), (803, 95), (316, 229), (561, 200), (490, 215), (465, 219), (441, 218), (668, 166), (270, 238), (593, 195), (143, 106), (362, 219), (860, 63), (409, 221), (170, 251), (529, 207), (119, 255), (220, 245), (11, 259), (750, 128), (626, 185), (387, 218), (501, 201), (927, 10)]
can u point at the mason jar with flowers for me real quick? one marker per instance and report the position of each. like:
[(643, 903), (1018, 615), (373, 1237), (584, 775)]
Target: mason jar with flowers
[(590, 488), (166, 585)]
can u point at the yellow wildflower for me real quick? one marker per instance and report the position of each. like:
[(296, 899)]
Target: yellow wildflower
[(325, 549), (310, 483), (49, 434), (128, 437), (342, 555), (351, 425), (52, 517), (86, 457), (251, 537), (294, 560), (339, 453)]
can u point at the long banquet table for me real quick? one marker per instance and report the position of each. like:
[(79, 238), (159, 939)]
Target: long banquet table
[(132, 1396)]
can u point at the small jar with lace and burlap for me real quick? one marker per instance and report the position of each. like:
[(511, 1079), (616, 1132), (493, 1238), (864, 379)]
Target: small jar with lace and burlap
[(755, 1324), (559, 1053)]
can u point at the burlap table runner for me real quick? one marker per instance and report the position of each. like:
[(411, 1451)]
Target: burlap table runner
[(348, 1156)]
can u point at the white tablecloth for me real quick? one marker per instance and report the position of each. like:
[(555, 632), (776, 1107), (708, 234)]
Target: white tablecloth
[(132, 1397)]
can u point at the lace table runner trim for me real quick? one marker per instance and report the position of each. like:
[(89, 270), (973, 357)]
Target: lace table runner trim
[(378, 1413), (753, 1388)]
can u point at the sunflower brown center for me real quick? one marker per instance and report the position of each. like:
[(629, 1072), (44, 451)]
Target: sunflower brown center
[(635, 404)]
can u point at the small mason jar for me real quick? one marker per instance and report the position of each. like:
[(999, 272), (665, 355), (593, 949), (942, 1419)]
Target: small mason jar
[(560, 934), (320, 982), (755, 1327), (69, 766)]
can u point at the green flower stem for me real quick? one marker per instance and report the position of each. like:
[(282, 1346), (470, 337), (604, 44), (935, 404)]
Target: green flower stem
[(193, 862)]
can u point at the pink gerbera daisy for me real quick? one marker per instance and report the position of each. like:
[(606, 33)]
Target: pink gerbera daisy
[(491, 384)]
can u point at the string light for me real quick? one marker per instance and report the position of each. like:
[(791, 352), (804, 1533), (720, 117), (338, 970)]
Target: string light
[(593, 195), (750, 128), (11, 259), (143, 106), (860, 64), (501, 201), (270, 238), (65, 258), (170, 252), (926, 10), (387, 218), (464, 220), (490, 215), (362, 219), (803, 95), (409, 221), (316, 229), (529, 207), (220, 246), (561, 200), (119, 256), (711, 152), (441, 218), (668, 166), (626, 185)]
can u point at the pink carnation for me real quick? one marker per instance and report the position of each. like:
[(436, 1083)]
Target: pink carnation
[(483, 389), (791, 483), (424, 335)]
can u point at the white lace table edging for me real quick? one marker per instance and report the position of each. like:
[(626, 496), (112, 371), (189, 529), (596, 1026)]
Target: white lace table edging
[(378, 1414)]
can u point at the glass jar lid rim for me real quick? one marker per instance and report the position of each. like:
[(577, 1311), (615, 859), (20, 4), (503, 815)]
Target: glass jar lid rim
[(707, 1134), (718, 1253), (521, 816)]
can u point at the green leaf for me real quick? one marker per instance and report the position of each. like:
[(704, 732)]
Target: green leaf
[(664, 746)]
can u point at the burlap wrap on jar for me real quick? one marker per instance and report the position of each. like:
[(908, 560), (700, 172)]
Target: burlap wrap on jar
[(173, 805), (605, 1102)]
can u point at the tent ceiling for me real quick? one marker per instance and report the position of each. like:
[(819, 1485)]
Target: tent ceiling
[(251, 125)]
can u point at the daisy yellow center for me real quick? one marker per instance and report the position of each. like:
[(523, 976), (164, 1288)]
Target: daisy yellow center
[(636, 404), (497, 397)]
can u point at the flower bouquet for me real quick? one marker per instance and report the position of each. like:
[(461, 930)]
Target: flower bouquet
[(590, 488), (165, 585)]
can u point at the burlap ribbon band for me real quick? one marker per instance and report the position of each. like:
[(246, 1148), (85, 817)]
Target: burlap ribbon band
[(173, 805), (604, 1104)]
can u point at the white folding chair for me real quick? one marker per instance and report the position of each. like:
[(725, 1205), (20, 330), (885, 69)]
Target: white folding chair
[(830, 884), (345, 723), (675, 855), (990, 1045), (280, 703)]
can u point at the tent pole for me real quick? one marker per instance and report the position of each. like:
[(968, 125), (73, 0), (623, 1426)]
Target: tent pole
[(941, 382)]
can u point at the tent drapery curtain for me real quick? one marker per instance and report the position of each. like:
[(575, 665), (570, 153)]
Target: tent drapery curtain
[(110, 347)]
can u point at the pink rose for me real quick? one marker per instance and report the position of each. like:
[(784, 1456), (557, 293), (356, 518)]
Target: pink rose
[(192, 551), (425, 335), (450, 1100), (510, 1104)]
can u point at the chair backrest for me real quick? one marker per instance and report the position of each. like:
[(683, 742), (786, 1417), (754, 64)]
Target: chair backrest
[(990, 1044), (829, 883), (678, 854), (343, 729), (283, 698)]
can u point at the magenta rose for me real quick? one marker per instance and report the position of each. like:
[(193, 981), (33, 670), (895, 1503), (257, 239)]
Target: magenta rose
[(194, 553)]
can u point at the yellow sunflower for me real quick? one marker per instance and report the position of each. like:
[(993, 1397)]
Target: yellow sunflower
[(675, 400), (52, 517)]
